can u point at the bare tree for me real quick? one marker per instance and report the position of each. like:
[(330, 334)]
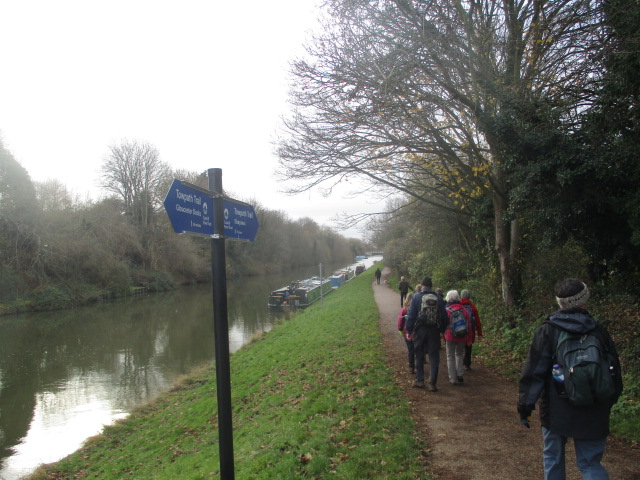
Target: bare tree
[(440, 100), (53, 195), (134, 172)]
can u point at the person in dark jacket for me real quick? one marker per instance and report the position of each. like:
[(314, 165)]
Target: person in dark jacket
[(403, 286), (426, 339), (587, 425)]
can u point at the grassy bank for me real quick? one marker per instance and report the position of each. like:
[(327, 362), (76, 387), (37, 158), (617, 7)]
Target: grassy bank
[(313, 398)]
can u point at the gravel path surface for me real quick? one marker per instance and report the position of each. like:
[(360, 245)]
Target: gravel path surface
[(472, 431)]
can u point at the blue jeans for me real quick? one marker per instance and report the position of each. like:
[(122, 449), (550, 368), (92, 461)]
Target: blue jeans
[(429, 344), (588, 456)]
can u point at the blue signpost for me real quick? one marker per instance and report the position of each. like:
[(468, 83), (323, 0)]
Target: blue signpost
[(240, 221), (192, 209)]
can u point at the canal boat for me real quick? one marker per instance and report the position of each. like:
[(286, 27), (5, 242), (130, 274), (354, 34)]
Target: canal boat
[(340, 277), (300, 294)]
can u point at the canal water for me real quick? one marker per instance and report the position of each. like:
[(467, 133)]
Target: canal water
[(64, 375)]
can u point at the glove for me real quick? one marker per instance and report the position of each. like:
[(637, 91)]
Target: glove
[(525, 414)]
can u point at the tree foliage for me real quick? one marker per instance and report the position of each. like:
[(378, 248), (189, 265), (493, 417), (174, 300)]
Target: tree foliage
[(442, 101), (19, 245)]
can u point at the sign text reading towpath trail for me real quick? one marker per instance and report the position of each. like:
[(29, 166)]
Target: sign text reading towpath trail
[(240, 221), (189, 209)]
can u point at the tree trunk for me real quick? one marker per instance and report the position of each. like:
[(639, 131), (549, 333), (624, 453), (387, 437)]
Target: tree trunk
[(502, 232)]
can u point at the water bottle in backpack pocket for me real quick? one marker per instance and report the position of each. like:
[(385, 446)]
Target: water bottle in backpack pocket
[(558, 380)]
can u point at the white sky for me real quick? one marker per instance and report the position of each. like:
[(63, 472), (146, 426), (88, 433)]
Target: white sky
[(203, 81)]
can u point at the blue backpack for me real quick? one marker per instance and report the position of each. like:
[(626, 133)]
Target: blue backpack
[(458, 323)]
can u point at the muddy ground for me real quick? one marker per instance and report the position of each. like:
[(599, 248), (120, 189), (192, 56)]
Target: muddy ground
[(472, 430)]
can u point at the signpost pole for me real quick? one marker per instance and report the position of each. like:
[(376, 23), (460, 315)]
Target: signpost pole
[(221, 328), (195, 210)]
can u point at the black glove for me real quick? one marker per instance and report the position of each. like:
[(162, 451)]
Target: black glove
[(525, 414)]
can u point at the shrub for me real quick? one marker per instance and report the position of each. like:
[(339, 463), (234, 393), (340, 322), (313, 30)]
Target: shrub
[(50, 298)]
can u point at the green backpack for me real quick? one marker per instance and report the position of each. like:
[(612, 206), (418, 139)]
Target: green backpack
[(588, 377)]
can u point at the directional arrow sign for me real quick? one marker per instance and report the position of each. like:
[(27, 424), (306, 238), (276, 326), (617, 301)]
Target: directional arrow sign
[(189, 209), (240, 221)]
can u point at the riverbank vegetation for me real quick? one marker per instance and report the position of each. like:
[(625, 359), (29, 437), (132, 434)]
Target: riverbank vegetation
[(57, 251), (313, 398)]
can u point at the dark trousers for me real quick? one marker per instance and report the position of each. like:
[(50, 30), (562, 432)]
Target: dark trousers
[(427, 340), (467, 356), (403, 295), (411, 353)]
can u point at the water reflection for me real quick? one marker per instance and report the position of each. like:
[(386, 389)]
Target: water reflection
[(63, 375)]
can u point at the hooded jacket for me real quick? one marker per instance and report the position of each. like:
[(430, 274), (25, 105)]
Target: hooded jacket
[(416, 305), (557, 414), (477, 325)]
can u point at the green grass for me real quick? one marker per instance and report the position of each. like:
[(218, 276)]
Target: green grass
[(313, 399)]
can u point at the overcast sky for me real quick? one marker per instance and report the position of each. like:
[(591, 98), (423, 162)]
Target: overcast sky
[(203, 81)]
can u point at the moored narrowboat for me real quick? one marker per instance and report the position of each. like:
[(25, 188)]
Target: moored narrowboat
[(341, 276), (301, 293)]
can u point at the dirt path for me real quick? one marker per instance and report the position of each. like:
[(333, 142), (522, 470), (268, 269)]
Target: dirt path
[(486, 440)]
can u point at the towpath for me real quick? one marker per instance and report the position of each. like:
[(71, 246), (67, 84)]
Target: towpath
[(472, 431)]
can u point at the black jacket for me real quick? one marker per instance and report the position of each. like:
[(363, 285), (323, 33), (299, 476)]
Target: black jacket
[(557, 414)]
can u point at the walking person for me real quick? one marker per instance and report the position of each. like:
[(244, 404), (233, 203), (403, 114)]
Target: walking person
[(378, 274), (402, 327), (562, 413), (426, 332), (403, 286), (476, 326), (457, 336)]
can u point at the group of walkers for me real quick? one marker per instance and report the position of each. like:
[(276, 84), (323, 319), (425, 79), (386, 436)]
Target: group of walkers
[(572, 367), (425, 319)]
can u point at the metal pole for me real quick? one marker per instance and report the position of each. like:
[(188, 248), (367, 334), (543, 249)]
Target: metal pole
[(321, 291), (221, 328)]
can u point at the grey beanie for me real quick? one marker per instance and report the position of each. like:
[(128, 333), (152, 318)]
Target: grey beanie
[(577, 300)]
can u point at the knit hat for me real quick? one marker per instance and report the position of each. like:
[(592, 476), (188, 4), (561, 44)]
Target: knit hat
[(575, 300), (426, 282), (465, 293)]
